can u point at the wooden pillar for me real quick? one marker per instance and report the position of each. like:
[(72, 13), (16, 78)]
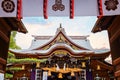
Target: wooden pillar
[(114, 38), (4, 45), (115, 48)]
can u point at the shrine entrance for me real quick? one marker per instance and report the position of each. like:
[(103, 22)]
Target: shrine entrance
[(57, 76), (64, 67), (67, 58)]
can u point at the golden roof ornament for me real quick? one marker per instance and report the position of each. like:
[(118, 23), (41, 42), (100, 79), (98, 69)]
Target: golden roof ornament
[(60, 29)]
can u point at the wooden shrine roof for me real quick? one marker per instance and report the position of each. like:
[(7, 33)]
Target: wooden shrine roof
[(74, 45), (103, 23), (13, 24)]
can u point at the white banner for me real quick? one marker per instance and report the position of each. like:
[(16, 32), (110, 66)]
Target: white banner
[(62, 7), (1, 76), (31, 8), (111, 7), (45, 75), (8, 8), (58, 7), (86, 8)]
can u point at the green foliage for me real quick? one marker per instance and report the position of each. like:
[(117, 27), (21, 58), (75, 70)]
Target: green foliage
[(12, 60), (8, 75), (25, 60), (14, 68), (13, 44), (11, 55), (13, 33)]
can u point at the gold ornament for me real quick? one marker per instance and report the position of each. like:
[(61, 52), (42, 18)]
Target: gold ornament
[(60, 75), (49, 73), (83, 64), (98, 67)]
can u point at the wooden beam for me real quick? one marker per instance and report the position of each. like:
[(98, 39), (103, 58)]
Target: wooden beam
[(5, 25), (114, 29), (3, 36), (18, 25), (3, 61), (116, 61), (117, 73), (116, 34), (103, 65)]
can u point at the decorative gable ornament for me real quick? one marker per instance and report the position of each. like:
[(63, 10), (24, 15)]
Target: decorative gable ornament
[(58, 5), (111, 4), (8, 6)]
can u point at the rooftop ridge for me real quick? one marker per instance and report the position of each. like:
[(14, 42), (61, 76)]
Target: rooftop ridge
[(41, 37), (48, 37), (79, 37)]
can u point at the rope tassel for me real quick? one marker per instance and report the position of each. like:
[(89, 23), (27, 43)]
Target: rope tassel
[(71, 9), (19, 10), (45, 4), (100, 8)]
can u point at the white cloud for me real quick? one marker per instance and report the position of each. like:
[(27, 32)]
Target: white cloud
[(78, 26), (23, 40), (99, 40)]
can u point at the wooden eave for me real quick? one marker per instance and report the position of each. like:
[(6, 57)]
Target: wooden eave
[(10, 24), (102, 65), (103, 23), (102, 55), (15, 24), (38, 55)]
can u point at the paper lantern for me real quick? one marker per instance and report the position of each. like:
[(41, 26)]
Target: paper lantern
[(72, 73), (60, 75), (98, 67), (83, 64), (49, 73), (23, 67), (38, 64)]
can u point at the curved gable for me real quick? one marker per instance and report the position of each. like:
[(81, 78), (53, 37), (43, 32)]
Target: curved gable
[(61, 37)]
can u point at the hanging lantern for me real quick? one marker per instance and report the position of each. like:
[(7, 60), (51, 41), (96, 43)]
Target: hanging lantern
[(67, 67), (38, 64), (83, 64), (60, 75), (23, 67), (98, 67), (49, 73), (72, 73)]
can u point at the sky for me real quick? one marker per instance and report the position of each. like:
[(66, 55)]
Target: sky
[(79, 26)]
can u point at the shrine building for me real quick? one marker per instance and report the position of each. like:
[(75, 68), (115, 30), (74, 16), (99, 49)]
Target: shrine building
[(67, 58)]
